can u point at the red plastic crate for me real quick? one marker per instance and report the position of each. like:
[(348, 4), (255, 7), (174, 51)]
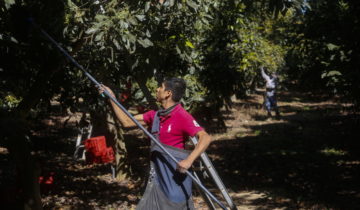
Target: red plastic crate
[(97, 151), (96, 145), (46, 182), (108, 156)]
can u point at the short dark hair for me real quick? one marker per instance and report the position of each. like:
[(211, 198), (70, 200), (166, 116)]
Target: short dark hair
[(177, 86)]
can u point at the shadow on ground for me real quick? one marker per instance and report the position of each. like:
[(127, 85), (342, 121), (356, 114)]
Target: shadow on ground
[(309, 158)]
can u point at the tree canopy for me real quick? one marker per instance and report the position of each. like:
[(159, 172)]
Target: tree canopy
[(216, 46)]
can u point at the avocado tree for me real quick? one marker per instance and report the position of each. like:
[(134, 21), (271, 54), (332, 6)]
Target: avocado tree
[(127, 45), (325, 49)]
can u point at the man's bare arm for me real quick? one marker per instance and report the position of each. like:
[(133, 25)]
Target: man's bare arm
[(201, 146), (264, 75), (120, 114)]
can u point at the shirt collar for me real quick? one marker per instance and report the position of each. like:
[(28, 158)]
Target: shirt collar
[(176, 108)]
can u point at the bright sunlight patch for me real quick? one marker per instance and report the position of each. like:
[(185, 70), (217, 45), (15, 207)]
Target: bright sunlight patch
[(333, 152)]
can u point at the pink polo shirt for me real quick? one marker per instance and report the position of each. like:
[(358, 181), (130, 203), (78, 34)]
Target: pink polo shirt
[(176, 127)]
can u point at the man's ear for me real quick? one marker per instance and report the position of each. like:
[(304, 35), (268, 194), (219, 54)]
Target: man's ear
[(169, 93)]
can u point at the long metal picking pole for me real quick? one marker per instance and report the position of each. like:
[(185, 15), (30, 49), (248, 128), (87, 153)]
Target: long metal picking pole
[(126, 112)]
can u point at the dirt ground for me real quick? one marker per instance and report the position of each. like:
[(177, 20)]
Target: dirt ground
[(306, 159)]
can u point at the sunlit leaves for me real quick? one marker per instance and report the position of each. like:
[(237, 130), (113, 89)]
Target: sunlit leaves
[(9, 102), (145, 42), (326, 52), (116, 43), (189, 44), (331, 74), (91, 30), (147, 6), (8, 3), (331, 46), (192, 4)]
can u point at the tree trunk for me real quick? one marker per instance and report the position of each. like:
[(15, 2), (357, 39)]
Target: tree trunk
[(151, 100), (28, 170), (122, 168), (104, 124), (14, 136), (19, 149)]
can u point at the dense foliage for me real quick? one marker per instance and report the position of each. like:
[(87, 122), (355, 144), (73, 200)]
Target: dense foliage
[(130, 42), (325, 51), (216, 46)]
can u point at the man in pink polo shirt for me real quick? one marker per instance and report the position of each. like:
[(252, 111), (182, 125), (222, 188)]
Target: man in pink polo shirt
[(175, 127), (171, 125)]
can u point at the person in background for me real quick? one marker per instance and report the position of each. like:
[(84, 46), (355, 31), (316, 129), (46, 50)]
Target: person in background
[(169, 187), (270, 93)]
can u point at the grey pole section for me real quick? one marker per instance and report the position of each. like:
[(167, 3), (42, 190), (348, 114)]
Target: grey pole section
[(215, 176), (125, 111), (205, 196)]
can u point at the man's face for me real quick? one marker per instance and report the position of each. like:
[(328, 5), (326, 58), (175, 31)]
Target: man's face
[(161, 93)]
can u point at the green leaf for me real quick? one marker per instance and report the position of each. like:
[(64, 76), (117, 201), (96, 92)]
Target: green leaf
[(132, 21), (140, 17), (135, 64), (191, 70), (131, 38), (123, 24), (100, 18), (332, 46), (334, 73), (145, 42), (192, 4), (147, 6), (179, 5), (116, 43), (8, 3), (148, 33), (189, 44), (91, 30), (178, 50), (99, 36)]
